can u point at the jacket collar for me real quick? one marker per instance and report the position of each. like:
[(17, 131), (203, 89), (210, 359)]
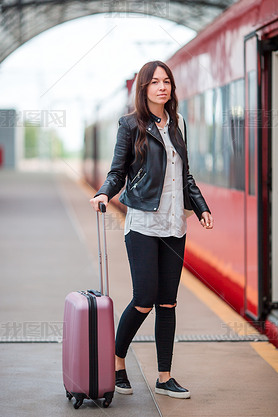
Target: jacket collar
[(152, 128), (155, 118)]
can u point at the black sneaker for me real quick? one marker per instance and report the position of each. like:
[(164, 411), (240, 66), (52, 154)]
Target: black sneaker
[(171, 388), (122, 384)]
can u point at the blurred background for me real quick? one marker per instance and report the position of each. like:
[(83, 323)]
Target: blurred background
[(70, 71)]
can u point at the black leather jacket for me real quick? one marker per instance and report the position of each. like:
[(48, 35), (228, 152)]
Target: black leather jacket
[(145, 180)]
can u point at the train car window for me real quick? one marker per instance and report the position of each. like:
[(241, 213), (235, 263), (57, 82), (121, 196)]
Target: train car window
[(193, 133), (88, 142), (252, 126), (215, 125), (198, 112), (221, 150), (236, 124), (208, 147), (202, 141), (183, 109)]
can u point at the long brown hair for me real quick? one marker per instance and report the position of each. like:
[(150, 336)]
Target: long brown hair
[(142, 111)]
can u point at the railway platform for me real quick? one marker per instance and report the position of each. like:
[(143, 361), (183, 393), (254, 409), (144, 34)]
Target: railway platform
[(48, 249)]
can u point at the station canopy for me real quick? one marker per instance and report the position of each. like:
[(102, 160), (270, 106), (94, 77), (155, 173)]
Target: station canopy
[(21, 20)]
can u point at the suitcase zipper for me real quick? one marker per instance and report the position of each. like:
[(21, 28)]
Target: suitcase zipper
[(93, 345)]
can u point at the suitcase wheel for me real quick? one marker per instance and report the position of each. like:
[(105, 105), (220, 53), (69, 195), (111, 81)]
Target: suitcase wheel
[(69, 395), (77, 404), (108, 396), (79, 398)]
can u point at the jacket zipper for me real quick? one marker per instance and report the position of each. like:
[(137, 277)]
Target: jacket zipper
[(135, 185), (141, 169), (137, 175)]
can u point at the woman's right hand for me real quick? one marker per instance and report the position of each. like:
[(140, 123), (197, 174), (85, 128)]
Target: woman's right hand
[(102, 198)]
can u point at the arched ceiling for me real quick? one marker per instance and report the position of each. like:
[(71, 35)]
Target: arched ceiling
[(21, 20)]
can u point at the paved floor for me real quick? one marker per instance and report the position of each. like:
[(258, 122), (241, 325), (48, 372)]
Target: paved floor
[(31, 385), (47, 249)]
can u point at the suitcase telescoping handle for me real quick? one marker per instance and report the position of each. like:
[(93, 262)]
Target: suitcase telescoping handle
[(102, 208)]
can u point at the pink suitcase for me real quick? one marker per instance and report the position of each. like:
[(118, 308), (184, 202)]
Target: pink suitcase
[(89, 339)]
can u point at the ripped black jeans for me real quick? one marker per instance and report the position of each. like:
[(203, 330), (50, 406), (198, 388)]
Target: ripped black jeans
[(155, 265)]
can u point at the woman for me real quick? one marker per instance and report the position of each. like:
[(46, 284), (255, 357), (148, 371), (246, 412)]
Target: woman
[(151, 152)]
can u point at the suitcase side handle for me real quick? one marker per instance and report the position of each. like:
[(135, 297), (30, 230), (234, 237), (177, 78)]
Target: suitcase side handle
[(103, 289)]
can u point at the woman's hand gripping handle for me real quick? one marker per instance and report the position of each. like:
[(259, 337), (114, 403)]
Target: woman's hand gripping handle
[(98, 202)]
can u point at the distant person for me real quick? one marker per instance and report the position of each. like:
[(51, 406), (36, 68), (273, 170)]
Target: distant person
[(151, 153)]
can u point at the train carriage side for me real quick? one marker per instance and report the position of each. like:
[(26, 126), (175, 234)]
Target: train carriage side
[(100, 138), (227, 82)]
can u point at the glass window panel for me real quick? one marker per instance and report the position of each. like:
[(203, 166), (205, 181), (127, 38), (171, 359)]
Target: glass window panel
[(215, 130), (252, 125), (220, 174), (236, 124), (193, 132)]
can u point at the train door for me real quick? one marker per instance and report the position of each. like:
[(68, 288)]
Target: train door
[(274, 176), (252, 305), (261, 174)]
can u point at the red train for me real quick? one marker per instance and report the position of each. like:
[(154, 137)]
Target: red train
[(227, 85)]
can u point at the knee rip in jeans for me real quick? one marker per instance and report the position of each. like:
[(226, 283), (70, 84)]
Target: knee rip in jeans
[(143, 309), (168, 305)]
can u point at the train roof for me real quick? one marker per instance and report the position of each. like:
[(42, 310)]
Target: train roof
[(253, 15)]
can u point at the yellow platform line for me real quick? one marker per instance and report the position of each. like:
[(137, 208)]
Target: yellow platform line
[(268, 352)]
